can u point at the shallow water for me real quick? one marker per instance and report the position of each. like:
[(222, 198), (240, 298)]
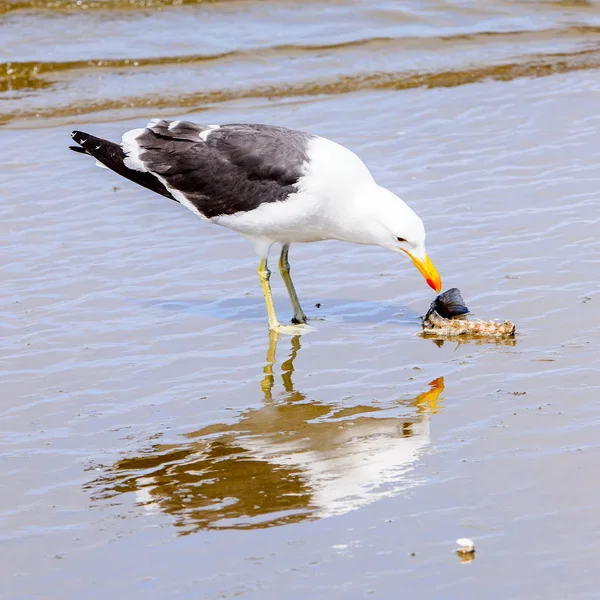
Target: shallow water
[(157, 443)]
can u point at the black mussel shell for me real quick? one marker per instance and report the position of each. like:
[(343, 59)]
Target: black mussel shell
[(450, 304)]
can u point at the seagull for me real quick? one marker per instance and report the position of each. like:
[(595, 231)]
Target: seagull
[(271, 185)]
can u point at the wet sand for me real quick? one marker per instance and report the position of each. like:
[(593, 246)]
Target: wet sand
[(157, 443)]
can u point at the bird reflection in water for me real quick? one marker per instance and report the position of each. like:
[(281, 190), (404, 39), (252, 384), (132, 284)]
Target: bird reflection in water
[(292, 459)]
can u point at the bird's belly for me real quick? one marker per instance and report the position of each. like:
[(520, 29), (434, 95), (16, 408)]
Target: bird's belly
[(298, 219)]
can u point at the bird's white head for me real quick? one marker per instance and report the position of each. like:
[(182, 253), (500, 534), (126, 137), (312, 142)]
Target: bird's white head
[(387, 221)]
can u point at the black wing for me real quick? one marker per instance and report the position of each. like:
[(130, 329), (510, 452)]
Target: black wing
[(112, 155), (226, 169)]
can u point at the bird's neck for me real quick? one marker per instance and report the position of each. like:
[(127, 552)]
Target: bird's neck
[(351, 216)]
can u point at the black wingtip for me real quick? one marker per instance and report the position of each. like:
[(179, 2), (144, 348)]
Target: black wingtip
[(80, 137), (450, 304)]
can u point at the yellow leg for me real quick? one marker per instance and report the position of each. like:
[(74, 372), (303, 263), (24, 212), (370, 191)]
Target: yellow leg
[(265, 274), (284, 268)]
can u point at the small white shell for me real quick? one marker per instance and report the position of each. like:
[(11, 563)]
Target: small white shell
[(466, 545)]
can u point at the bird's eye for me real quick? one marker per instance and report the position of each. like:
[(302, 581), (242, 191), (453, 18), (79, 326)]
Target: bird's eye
[(400, 239)]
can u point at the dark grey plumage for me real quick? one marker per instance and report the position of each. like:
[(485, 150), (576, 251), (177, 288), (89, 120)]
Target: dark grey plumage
[(221, 171)]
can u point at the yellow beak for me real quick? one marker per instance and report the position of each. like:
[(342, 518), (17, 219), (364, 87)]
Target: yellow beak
[(426, 268)]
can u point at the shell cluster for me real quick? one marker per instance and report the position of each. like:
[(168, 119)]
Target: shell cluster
[(447, 317)]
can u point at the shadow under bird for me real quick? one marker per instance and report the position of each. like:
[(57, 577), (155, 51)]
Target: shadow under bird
[(271, 185)]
